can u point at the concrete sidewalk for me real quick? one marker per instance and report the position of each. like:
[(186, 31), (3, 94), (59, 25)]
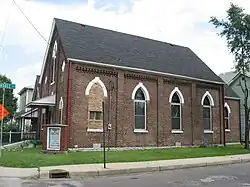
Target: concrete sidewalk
[(95, 170)]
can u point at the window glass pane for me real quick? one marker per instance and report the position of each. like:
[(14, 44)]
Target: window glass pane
[(95, 115), (206, 122), (140, 108), (175, 110), (227, 123), (175, 98), (139, 95), (206, 101), (226, 111), (206, 112), (140, 122), (98, 115), (176, 123)]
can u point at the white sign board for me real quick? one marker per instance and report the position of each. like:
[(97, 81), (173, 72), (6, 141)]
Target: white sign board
[(53, 138)]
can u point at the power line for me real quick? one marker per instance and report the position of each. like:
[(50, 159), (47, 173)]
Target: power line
[(4, 33), (30, 21)]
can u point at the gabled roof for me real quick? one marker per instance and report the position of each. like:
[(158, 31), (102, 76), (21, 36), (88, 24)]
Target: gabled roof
[(89, 43), (30, 87), (230, 76), (36, 87)]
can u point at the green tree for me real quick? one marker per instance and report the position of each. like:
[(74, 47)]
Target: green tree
[(236, 30), (10, 99)]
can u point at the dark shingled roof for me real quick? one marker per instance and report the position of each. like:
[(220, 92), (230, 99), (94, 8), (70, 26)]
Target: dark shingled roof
[(90, 43)]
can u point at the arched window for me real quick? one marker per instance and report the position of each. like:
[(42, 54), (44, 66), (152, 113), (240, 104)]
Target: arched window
[(207, 115), (140, 110), (95, 92), (61, 111), (176, 112), (227, 112), (54, 62)]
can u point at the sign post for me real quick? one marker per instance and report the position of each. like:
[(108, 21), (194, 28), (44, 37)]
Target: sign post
[(4, 112)]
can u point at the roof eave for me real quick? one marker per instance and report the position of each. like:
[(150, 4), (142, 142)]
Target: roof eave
[(234, 98), (143, 70), (47, 50)]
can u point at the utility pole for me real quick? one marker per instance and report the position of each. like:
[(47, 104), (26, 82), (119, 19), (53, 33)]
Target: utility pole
[(4, 111), (1, 142), (104, 146)]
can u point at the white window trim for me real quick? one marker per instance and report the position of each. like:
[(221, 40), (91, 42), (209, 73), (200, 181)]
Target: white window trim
[(211, 120), (177, 131), (94, 130), (145, 111), (178, 92), (53, 70), (180, 129), (209, 97), (144, 89), (61, 109), (96, 80), (140, 131), (208, 131), (227, 117), (48, 129)]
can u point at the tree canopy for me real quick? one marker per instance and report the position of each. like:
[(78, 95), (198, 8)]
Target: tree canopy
[(236, 30), (10, 99)]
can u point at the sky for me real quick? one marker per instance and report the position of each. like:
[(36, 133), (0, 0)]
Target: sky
[(181, 22)]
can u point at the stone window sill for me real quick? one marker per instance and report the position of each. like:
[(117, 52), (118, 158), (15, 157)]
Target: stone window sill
[(227, 130), (208, 132), (177, 131), (95, 130), (140, 131)]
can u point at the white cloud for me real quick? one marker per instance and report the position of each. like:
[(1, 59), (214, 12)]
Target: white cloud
[(176, 22), (25, 76)]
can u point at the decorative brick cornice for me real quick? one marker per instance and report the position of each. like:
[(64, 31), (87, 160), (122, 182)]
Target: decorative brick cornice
[(139, 77), (176, 82), (82, 69)]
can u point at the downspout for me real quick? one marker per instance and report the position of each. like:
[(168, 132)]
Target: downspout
[(157, 117), (69, 103)]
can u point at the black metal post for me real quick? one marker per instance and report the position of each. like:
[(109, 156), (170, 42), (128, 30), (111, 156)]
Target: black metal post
[(104, 151)]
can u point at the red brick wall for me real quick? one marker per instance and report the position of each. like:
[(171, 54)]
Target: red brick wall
[(79, 107), (122, 111), (234, 121)]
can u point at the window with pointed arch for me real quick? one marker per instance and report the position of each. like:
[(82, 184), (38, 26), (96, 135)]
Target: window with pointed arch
[(54, 63), (176, 112), (226, 113), (207, 114), (140, 110)]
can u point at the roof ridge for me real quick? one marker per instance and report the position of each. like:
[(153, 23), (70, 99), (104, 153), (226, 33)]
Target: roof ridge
[(120, 32)]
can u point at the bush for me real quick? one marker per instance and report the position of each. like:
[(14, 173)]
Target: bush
[(36, 143)]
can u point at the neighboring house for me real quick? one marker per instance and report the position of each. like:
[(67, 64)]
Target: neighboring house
[(25, 96), (154, 93), (232, 79)]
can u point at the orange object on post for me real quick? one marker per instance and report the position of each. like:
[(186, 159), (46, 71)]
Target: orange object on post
[(3, 112)]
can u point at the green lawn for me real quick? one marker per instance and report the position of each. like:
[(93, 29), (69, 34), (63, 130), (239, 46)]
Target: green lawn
[(32, 157)]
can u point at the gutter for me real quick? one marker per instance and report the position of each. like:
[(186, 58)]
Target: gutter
[(141, 70), (234, 98)]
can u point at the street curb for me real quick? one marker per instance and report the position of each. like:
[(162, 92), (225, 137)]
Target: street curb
[(115, 172)]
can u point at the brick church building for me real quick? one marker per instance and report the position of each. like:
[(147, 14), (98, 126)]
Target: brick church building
[(154, 93)]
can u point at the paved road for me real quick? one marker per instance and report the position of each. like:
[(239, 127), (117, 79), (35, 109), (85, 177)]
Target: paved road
[(224, 176)]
